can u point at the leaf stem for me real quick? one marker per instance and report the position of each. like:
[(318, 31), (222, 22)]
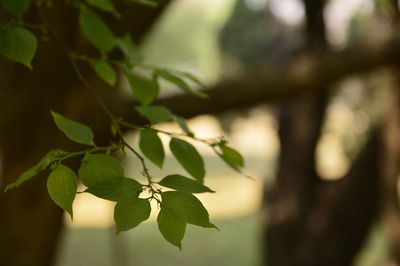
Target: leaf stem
[(96, 149)]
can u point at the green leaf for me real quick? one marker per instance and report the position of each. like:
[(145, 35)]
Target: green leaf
[(116, 189), (150, 3), (18, 44), (188, 157), (104, 71), (180, 83), (105, 5), (144, 89), (183, 125), (182, 183), (75, 131), (48, 159), (52, 156), (172, 225), (155, 114), (128, 48), (130, 213), (194, 79), (62, 186), (189, 206), (97, 168), (232, 157), (16, 7), (96, 31), (25, 176), (151, 146)]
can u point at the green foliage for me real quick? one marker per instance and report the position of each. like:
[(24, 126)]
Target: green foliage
[(96, 168), (177, 210), (144, 89), (194, 79), (188, 157), (96, 30), (184, 184), (104, 71), (172, 225), (151, 146), (231, 156), (25, 176), (51, 157), (116, 189), (150, 3), (155, 114), (16, 7), (189, 206), (183, 125), (105, 5), (62, 185), (130, 213), (179, 82), (128, 48), (18, 44), (75, 131), (100, 171)]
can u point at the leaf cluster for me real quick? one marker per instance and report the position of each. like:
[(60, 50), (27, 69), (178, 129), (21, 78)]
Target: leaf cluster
[(100, 173)]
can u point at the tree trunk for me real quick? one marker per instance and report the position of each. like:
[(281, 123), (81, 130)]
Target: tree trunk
[(288, 204), (311, 222), (390, 172), (329, 227)]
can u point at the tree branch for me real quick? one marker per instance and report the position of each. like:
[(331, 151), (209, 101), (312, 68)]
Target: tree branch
[(304, 75)]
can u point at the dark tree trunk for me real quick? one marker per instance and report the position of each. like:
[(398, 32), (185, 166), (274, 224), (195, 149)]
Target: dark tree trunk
[(390, 172), (29, 222), (329, 227), (391, 156), (339, 220), (288, 204), (311, 222)]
